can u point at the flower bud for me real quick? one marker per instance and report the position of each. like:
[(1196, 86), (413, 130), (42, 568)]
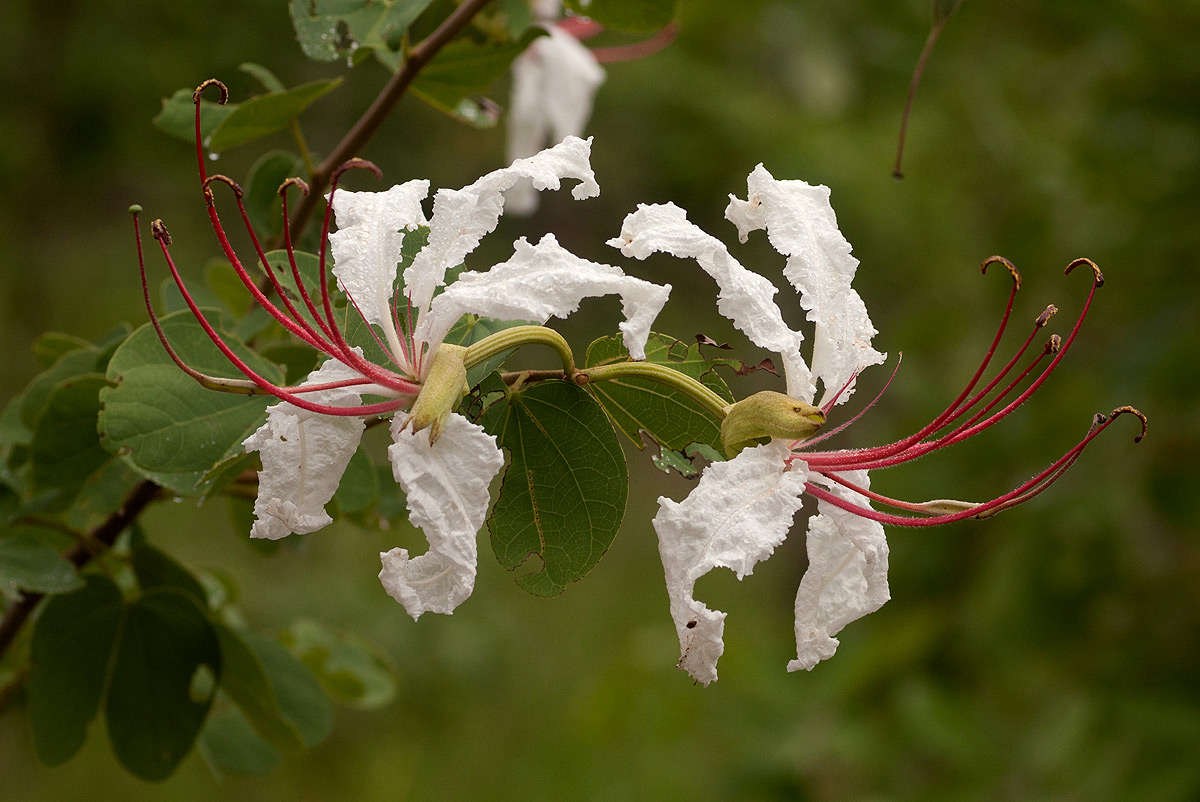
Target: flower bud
[(768, 414), (444, 386)]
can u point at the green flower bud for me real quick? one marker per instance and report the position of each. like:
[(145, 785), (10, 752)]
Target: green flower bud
[(444, 386), (768, 414)]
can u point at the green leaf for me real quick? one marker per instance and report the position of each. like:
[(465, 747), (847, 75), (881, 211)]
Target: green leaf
[(102, 494), (231, 746), (178, 116), (263, 75), (69, 365), (172, 430), (669, 416), (353, 673), (29, 563), (53, 344), (162, 682), (265, 114), (66, 451), (308, 265), (301, 700), (244, 679), (297, 360), (359, 488), (222, 281), (262, 191), (464, 70), (72, 643), (332, 29), (634, 16), (563, 493), (156, 569)]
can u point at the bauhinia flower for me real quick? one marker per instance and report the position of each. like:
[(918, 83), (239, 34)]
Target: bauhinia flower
[(554, 84), (742, 509), (443, 461)]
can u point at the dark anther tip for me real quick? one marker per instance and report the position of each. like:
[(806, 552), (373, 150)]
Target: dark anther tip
[(1128, 410), (159, 231), (1012, 269), (1097, 276), (1053, 345), (222, 91), (226, 180), (298, 183), (1050, 311), (355, 164)]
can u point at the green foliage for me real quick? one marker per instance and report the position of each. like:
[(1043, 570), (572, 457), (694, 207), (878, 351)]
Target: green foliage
[(636, 16), (350, 670), (75, 637), (65, 451), (463, 71), (329, 30), (27, 562), (563, 494), (171, 430), (262, 189), (669, 416), (232, 124), (231, 746)]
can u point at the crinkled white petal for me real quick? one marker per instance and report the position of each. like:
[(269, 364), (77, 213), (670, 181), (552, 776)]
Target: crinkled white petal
[(462, 217), (735, 516), (553, 84), (446, 485), (543, 281), (304, 455), (745, 297), (366, 246), (802, 226), (846, 577)]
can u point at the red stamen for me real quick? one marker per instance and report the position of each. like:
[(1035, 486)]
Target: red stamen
[(802, 444), (160, 233), (579, 27), (1054, 469), (291, 252)]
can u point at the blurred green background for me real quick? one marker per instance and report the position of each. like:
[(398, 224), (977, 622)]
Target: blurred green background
[(1050, 652)]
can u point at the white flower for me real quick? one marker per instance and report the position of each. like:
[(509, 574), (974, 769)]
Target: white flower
[(310, 436), (553, 85), (742, 509)]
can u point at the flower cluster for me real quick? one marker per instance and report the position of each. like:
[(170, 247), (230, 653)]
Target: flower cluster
[(443, 461), (741, 510)]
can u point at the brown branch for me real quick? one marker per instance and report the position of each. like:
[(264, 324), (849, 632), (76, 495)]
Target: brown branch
[(362, 131), (80, 555)]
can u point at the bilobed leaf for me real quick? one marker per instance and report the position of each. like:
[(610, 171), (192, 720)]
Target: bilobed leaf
[(172, 430), (299, 695), (178, 116), (69, 365), (156, 569), (671, 417), (72, 642), (464, 70), (266, 114), (564, 490), (53, 344), (635, 16), (332, 29), (162, 684), (231, 746), (66, 449), (27, 562), (346, 666), (244, 679)]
